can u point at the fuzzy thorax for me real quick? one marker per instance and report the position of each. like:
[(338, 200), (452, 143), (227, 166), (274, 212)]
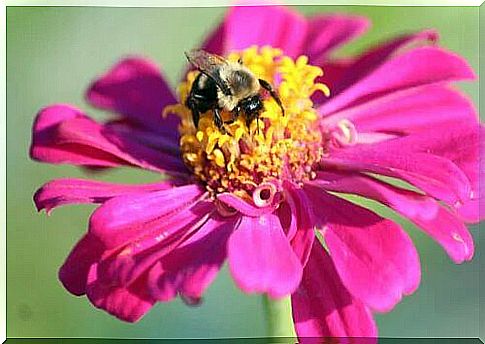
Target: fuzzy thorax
[(284, 147)]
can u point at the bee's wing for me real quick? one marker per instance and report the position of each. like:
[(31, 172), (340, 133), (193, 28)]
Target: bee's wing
[(209, 64)]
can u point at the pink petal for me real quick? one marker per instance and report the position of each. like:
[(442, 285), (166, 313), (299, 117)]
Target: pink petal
[(145, 137), (315, 37), (276, 26), (462, 145), (287, 214), (126, 303), (374, 257), (473, 164), (215, 41), (74, 272), (327, 32), (409, 111), (333, 73), (415, 68), (304, 236), (160, 237), (126, 218), (261, 259), (44, 147), (473, 211), (424, 211), (370, 60), (135, 88), (63, 134), (400, 158), (322, 306), (192, 267), (60, 192)]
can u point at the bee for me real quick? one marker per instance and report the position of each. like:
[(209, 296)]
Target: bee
[(225, 85)]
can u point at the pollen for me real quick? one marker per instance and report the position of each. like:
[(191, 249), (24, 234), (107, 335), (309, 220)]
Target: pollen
[(240, 159)]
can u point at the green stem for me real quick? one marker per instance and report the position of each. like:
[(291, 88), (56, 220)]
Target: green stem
[(278, 317)]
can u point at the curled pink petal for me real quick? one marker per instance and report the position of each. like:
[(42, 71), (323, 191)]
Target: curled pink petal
[(264, 195), (244, 207), (261, 259), (374, 257), (343, 134), (322, 306)]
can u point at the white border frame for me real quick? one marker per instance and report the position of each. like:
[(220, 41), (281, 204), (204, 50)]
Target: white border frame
[(219, 3), (142, 3)]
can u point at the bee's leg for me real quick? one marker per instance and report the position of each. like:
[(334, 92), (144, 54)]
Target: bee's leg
[(257, 123), (195, 117), (250, 118), (235, 114), (267, 86), (248, 122), (192, 105), (218, 120)]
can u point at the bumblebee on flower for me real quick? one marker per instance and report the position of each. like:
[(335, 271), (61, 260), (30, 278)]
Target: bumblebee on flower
[(261, 188), (248, 153)]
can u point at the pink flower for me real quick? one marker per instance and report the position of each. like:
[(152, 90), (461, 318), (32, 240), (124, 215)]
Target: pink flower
[(392, 112)]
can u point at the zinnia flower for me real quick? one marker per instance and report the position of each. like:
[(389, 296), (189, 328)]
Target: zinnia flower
[(267, 198)]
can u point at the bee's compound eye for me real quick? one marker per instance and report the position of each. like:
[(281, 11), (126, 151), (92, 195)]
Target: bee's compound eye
[(254, 104)]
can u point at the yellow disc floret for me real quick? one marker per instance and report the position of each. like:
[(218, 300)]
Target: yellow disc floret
[(283, 147)]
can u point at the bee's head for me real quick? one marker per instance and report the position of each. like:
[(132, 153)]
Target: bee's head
[(251, 105)]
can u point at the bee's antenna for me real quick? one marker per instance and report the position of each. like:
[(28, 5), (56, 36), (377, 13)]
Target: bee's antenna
[(257, 124), (187, 55), (267, 86)]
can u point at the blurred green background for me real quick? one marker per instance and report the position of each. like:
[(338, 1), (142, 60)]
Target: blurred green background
[(53, 54)]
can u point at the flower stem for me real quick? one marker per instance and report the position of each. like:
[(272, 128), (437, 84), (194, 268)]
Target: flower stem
[(278, 317)]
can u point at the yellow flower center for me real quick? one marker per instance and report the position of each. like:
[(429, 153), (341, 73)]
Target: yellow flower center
[(242, 158)]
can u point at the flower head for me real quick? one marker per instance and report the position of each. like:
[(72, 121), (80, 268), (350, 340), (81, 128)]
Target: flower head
[(265, 194)]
